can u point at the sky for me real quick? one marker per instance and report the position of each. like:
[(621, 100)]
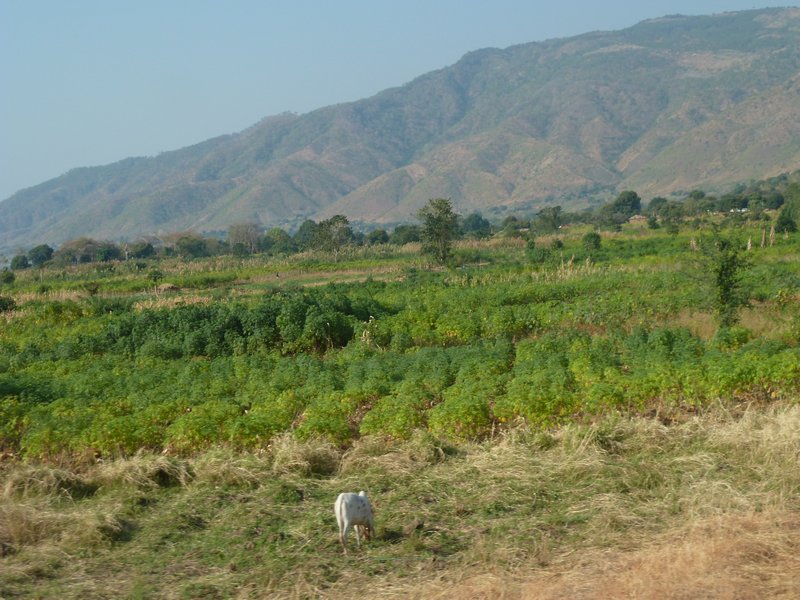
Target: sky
[(91, 82)]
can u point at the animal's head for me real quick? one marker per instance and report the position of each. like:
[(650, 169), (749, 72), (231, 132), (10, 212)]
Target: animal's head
[(367, 532)]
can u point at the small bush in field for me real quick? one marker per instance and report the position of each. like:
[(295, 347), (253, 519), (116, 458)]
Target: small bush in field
[(7, 304), (591, 241)]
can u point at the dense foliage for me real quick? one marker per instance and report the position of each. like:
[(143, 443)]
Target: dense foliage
[(98, 361)]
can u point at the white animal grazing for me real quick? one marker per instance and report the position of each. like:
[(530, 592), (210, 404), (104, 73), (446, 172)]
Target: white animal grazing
[(354, 511)]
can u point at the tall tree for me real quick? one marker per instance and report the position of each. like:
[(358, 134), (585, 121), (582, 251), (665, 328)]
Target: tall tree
[(191, 246), (244, 237), (405, 234), (476, 226), (377, 236), (548, 219), (141, 249), (80, 250), (19, 262), (304, 236), (277, 241), (439, 228), (332, 234), (628, 203), (38, 255)]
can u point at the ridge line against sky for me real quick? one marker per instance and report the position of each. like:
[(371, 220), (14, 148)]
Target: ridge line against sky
[(91, 82)]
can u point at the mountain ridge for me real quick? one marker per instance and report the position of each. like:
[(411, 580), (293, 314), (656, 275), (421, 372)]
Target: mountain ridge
[(661, 107)]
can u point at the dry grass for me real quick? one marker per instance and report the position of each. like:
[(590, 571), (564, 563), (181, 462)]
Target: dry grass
[(227, 468), (34, 481), (760, 321), (731, 557), (378, 453), (313, 457), (71, 528), (705, 509), (162, 302), (623, 508), (143, 471), (52, 295)]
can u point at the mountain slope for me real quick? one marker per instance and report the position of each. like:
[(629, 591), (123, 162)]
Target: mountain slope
[(669, 104)]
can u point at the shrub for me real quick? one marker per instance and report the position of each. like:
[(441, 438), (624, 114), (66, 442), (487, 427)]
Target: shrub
[(19, 262), (202, 426), (329, 417), (591, 241), (397, 415), (7, 304)]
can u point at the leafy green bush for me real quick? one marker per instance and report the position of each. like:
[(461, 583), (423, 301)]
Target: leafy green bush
[(398, 414), (7, 304), (202, 425)]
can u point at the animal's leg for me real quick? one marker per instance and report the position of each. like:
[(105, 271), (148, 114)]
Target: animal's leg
[(343, 538)]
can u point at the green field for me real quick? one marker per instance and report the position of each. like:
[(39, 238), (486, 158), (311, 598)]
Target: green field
[(520, 419)]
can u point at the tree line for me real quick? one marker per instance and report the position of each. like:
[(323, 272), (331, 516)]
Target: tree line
[(439, 226)]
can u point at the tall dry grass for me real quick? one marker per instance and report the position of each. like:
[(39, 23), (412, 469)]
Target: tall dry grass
[(708, 507), (749, 556)]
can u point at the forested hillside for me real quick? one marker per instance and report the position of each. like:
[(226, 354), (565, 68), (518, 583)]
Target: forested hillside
[(668, 105)]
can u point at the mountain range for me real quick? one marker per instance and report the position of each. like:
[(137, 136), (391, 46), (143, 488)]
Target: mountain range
[(663, 107)]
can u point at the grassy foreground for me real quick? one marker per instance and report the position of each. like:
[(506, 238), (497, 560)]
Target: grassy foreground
[(691, 506)]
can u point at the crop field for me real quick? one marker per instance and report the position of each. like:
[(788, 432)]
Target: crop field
[(557, 421)]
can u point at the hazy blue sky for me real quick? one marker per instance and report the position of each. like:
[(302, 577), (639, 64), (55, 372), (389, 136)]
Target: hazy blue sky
[(87, 83)]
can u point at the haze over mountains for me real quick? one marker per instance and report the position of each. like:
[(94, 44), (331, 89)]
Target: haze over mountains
[(663, 107)]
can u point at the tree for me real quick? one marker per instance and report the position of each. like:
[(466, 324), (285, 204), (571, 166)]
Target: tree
[(628, 203), (616, 213), (773, 200), (38, 255), (548, 219), (656, 204), (512, 226), (476, 226), (731, 202), (331, 234), (277, 241), (725, 261), (784, 224), (107, 251), (244, 237), (536, 254), (19, 262), (141, 249), (789, 217), (405, 234), (377, 236), (304, 236), (697, 194), (80, 250), (439, 228), (191, 246)]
